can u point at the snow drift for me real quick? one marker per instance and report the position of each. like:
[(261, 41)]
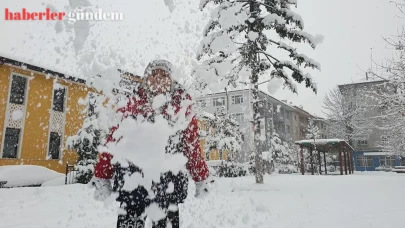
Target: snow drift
[(26, 175)]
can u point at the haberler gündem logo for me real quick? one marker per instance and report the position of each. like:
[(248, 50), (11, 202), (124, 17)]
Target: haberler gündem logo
[(78, 14)]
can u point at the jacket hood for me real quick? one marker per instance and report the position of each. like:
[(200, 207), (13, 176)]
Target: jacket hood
[(163, 65)]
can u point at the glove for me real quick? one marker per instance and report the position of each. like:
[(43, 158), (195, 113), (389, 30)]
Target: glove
[(202, 187), (102, 187)]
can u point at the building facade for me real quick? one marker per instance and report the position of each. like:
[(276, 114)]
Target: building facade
[(369, 153), (38, 110), (288, 121)]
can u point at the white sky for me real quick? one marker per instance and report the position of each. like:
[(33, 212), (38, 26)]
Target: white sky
[(350, 28)]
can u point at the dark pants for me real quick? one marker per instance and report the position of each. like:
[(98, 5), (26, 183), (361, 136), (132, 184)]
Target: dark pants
[(132, 222), (136, 201)]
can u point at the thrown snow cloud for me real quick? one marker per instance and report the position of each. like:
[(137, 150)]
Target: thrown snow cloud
[(146, 148)]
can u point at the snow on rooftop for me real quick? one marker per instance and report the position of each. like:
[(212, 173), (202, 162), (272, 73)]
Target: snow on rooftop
[(319, 141), (201, 113), (363, 80)]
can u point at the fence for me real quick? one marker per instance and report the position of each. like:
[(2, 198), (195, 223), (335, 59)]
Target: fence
[(70, 174)]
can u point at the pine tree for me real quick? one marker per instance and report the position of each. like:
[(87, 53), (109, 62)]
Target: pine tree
[(237, 43), (282, 155), (313, 133), (312, 130), (226, 135), (86, 141)]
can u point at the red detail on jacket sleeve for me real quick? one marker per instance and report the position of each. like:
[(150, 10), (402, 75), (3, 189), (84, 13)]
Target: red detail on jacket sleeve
[(196, 164), (104, 169)]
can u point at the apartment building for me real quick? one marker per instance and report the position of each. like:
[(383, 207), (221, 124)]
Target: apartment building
[(290, 122), (367, 143)]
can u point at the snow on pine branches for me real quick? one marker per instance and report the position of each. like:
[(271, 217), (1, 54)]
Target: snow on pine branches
[(237, 44), (282, 155), (226, 135), (237, 48), (312, 130), (87, 140), (311, 156)]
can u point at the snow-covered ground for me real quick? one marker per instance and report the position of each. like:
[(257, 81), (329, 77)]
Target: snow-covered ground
[(373, 199)]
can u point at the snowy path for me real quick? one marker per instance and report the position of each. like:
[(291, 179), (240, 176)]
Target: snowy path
[(363, 200)]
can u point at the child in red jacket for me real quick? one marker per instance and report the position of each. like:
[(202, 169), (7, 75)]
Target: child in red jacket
[(157, 80)]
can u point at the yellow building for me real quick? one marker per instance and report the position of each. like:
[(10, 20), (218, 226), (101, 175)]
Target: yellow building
[(38, 110)]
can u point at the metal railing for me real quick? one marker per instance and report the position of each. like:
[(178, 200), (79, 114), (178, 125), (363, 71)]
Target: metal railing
[(70, 174)]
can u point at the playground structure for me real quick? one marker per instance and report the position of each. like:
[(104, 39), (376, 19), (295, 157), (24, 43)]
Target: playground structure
[(323, 146)]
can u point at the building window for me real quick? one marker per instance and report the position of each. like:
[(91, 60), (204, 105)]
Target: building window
[(54, 145), (18, 88), (59, 99), (387, 161), (362, 142), (237, 99), (11, 143), (364, 161), (288, 129), (202, 103), (385, 139), (207, 156), (219, 101), (240, 117)]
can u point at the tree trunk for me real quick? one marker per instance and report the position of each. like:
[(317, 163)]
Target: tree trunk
[(311, 160), (319, 162), (253, 59), (302, 160)]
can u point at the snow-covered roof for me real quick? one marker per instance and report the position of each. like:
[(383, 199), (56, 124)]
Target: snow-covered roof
[(322, 142), (319, 141), (39, 69), (363, 81), (378, 153), (215, 162), (201, 113)]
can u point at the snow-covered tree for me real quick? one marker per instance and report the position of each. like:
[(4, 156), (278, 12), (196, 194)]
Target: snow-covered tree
[(245, 41), (313, 133), (87, 140), (312, 130), (226, 134), (347, 114), (282, 155), (391, 103)]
